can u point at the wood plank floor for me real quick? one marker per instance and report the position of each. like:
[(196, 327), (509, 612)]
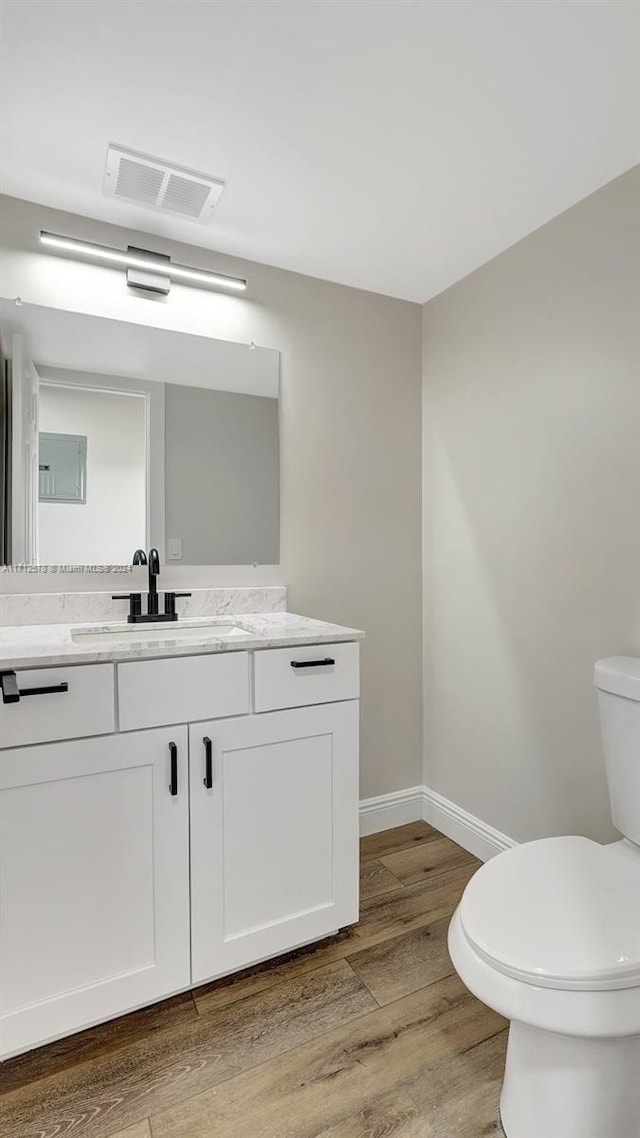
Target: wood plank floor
[(367, 1035)]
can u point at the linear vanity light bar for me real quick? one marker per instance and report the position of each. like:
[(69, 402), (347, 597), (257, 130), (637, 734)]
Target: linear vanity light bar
[(153, 263)]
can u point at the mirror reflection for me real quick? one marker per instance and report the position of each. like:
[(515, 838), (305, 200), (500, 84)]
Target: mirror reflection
[(115, 436)]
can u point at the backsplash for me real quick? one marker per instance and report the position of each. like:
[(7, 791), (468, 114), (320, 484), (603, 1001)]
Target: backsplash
[(68, 608)]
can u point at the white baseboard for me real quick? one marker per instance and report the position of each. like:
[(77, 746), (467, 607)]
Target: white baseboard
[(462, 827), (389, 810), (419, 802)]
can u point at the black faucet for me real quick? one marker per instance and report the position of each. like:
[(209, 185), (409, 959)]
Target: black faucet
[(154, 570), (136, 615)]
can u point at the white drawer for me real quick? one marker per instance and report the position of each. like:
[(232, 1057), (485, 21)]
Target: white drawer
[(316, 673), (86, 707), (152, 693)]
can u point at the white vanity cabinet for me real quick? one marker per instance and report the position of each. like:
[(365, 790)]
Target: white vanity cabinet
[(274, 835), (178, 829), (94, 881)]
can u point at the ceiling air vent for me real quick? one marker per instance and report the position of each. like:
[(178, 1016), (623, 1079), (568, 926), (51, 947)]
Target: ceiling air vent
[(153, 182)]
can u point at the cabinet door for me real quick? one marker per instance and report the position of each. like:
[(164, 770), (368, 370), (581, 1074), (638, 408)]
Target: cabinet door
[(274, 839), (94, 885)]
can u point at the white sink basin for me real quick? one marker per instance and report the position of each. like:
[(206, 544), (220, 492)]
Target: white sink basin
[(171, 632)]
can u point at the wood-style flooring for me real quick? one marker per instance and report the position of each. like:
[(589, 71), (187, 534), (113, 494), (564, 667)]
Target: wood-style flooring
[(368, 1035)]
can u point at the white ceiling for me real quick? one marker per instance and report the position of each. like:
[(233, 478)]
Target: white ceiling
[(387, 144)]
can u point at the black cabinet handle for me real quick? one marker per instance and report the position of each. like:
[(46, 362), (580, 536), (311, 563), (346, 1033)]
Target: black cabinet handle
[(52, 689), (11, 693), (173, 785), (208, 763), (326, 663)]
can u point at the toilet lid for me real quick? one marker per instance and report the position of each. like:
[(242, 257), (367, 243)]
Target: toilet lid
[(559, 913)]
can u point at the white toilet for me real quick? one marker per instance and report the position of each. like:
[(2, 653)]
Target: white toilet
[(548, 934)]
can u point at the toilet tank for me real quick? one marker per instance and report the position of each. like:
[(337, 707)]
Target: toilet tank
[(618, 682)]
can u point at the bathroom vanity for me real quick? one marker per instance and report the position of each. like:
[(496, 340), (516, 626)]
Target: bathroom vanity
[(178, 800), (172, 809)]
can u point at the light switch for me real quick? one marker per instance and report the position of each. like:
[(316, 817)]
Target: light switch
[(174, 549)]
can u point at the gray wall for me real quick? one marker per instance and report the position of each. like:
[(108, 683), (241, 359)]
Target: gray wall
[(221, 476), (350, 446), (532, 516)]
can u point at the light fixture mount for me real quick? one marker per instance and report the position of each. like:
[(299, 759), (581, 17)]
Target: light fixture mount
[(149, 265), (147, 279)]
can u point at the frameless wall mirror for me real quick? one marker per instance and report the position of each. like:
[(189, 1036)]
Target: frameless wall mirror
[(115, 436)]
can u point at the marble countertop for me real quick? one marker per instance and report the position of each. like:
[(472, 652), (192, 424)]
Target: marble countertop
[(43, 645)]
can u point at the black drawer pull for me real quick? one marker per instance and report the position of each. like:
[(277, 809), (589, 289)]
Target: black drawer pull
[(54, 689), (208, 762), (11, 693), (173, 785), (326, 663)]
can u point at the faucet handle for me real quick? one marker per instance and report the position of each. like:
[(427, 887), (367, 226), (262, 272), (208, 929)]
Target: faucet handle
[(170, 602), (139, 557), (135, 603)]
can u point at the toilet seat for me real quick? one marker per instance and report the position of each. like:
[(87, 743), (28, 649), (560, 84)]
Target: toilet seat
[(559, 913)]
